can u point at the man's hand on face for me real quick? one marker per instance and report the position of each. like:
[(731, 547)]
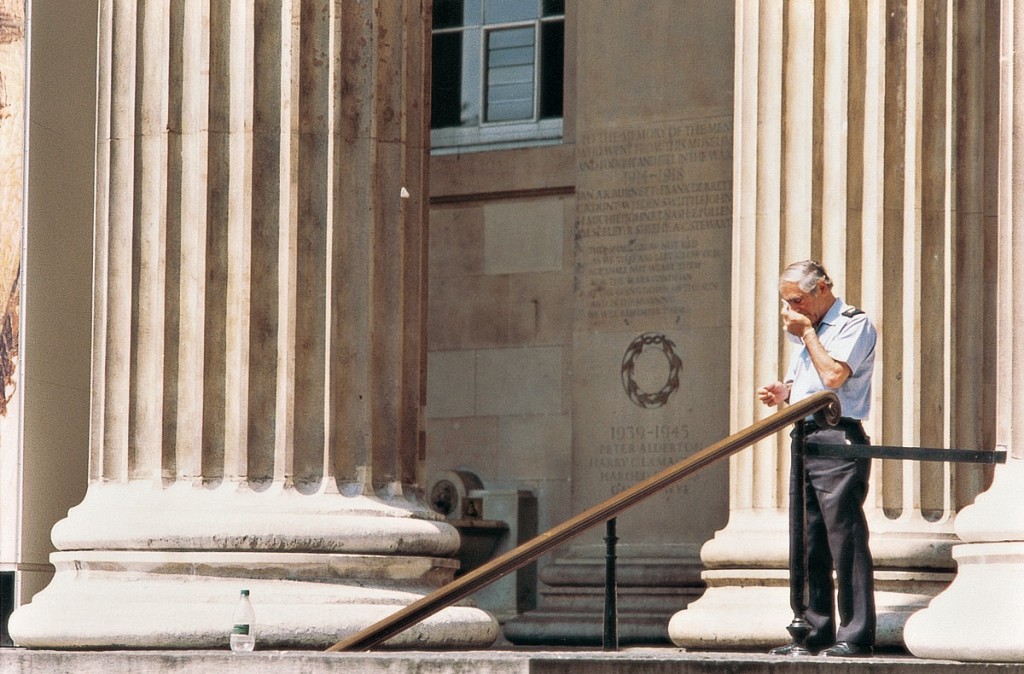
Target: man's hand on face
[(795, 323)]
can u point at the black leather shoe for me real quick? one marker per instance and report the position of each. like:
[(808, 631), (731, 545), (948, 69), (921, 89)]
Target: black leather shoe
[(844, 649), (793, 649)]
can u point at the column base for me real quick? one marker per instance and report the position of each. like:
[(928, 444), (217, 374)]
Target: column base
[(111, 599), (979, 618), (749, 608), (739, 610), (143, 515)]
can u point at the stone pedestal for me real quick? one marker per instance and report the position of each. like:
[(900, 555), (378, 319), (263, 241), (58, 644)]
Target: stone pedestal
[(147, 566), (258, 344)]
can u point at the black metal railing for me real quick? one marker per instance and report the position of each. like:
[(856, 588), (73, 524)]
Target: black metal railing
[(824, 405)]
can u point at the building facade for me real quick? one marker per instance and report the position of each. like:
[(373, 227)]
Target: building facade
[(343, 252)]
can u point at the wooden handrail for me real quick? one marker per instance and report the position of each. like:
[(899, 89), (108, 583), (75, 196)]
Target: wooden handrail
[(825, 402)]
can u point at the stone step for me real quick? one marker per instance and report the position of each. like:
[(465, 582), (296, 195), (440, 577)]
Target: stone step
[(646, 660)]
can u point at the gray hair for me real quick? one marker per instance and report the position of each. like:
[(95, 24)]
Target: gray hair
[(806, 274)]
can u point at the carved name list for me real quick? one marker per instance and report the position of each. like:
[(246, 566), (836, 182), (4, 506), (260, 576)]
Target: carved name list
[(654, 207)]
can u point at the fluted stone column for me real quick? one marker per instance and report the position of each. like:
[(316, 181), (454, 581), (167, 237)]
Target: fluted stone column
[(979, 616), (861, 140), (257, 351)]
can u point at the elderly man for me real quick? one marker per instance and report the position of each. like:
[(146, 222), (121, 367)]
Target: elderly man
[(837, 353)]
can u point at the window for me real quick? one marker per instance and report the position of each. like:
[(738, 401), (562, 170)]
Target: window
[(497, 73)]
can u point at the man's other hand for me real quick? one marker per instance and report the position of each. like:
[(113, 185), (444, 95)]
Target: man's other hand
[(773, 394)]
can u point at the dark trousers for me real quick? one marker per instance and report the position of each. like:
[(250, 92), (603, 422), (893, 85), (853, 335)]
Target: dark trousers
[(837, 539)]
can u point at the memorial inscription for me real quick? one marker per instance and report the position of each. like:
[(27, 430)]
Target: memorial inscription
[(654, 207), (632, 453)]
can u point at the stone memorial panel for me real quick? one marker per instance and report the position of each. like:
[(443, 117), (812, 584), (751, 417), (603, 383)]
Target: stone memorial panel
[(651, 340), (654, 208)]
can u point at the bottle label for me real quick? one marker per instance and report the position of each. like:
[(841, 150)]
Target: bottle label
[(240, 629)]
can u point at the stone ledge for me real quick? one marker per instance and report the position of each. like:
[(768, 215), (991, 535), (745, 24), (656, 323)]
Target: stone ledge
[(580, 661)]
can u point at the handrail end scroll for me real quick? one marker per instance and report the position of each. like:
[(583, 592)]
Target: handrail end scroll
[(830, 414)]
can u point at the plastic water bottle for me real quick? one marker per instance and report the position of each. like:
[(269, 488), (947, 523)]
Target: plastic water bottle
[(243, 638)]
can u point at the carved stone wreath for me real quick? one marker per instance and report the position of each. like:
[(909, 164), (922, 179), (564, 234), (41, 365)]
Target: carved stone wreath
[(675, 364)]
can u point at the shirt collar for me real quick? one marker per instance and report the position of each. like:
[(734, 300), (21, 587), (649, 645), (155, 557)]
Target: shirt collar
[(832, 315)]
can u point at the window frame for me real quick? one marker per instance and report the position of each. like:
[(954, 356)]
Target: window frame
[(486, 135)]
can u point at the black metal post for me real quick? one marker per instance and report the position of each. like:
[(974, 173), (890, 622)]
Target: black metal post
[(799, 628), (611, 617)]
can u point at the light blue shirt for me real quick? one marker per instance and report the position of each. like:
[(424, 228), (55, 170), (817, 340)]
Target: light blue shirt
[(848, 339)]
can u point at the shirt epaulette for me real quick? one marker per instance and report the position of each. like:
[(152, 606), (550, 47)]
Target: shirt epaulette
[(852, 311)]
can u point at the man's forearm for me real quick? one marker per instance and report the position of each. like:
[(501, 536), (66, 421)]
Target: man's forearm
[(833, 373)]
